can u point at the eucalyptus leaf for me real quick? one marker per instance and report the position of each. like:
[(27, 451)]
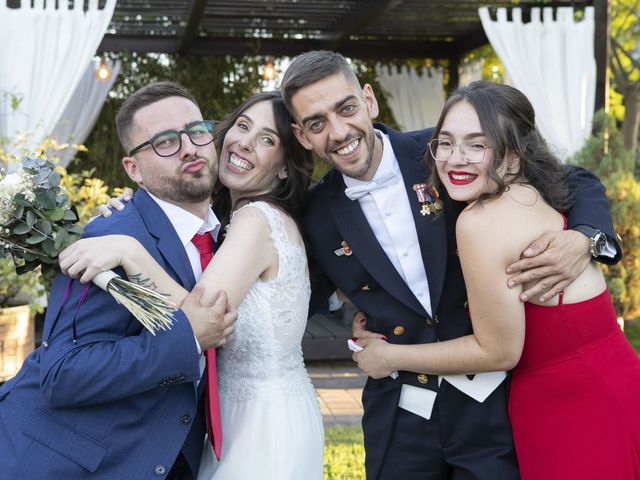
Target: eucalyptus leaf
[(54, 178), (36, 238), (49, 248), (69, 215), (31, 218), (62, 237), (47, 199), (43, 225), (77, 229), (55, 214), (21, 229), (19, 211), (20, 200)]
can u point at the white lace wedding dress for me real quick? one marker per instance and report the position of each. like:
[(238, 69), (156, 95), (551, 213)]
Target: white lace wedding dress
[(271, 421)]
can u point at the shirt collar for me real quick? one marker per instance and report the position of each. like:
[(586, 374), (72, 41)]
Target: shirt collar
[(186, 223), (388, 163)]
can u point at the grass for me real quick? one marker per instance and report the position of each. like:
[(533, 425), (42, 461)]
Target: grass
[(343, 453)]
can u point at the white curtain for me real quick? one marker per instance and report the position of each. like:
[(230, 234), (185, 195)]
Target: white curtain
[(415, 97), (553, 63), (44, 52), (83, 109), (470, 72)]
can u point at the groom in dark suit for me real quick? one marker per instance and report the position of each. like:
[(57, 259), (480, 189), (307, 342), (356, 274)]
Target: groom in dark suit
[(103, 397), (371, 237)]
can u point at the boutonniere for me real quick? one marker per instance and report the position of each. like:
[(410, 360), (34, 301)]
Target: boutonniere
[(429, 197)]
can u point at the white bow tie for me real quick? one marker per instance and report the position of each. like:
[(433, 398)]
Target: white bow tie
[(359, 191)]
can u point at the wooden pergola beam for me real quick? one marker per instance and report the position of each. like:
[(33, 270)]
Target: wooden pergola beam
[(194, 11)]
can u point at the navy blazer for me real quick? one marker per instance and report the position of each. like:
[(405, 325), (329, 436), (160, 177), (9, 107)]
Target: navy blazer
[(372, 283), (118, 402)]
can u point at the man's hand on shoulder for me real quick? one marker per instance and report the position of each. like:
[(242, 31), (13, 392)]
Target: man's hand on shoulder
[(552, 261), (212, 321)]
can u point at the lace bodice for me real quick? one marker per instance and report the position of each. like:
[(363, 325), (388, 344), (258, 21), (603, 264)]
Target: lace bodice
[(264, 354)]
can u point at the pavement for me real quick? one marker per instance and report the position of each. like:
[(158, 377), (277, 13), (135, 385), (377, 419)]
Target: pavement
[(339, 386)]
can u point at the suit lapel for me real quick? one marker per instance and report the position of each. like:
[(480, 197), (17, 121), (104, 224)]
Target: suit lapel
[(356, 231), (431, 229), (169, 243)]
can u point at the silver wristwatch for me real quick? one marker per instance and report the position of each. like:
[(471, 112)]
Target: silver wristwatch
[(596, 237)]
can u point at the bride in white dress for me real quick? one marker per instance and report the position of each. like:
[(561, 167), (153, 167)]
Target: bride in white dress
[(271, 421)]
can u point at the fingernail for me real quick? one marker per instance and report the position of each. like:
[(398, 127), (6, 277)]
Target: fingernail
[(524, 297), (362, 320), (384, 338), (355, 339), (508, 270), (528, 251), (120, 207), (107, 213), (543, 299), (511, 283)]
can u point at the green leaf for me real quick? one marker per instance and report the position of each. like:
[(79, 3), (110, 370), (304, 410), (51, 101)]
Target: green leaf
[(20, 200), (36, 238), (62, 237), (31, 218), (69, 215), (43, 225), (55, 214), (21, 229), (77, 229), (49, 248), (54, 178), (47, 199), (19, 211)]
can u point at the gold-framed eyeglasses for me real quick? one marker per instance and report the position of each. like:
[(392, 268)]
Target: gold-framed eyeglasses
[(472, 151), (169, 142)]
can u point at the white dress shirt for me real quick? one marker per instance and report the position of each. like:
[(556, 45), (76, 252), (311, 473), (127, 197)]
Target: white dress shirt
[(187, 225)]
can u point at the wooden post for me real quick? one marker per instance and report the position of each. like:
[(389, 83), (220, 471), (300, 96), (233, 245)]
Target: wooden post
[(602, 50), (454, 75)]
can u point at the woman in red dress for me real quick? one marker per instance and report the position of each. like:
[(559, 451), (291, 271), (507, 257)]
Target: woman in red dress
[(575, 386)]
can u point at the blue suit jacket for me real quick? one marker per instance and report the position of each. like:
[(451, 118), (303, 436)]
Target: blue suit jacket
[(370, 280), (119, 403)]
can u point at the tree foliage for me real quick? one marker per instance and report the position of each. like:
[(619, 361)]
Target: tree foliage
[(605, 154)]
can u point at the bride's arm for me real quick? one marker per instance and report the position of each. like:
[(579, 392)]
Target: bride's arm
[(245, 255), (87, 257)]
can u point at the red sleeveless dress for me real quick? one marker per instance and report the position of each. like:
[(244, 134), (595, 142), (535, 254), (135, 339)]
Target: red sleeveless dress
[(574, 402)]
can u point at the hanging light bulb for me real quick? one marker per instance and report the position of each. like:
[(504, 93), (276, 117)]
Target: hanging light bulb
[(269, 70), (103, 72)]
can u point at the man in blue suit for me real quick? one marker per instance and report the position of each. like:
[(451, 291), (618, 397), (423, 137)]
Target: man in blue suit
[(103, 397), (371, 237)]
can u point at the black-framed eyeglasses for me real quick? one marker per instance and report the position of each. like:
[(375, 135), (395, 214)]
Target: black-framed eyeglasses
[(169, 142), (472, 151)]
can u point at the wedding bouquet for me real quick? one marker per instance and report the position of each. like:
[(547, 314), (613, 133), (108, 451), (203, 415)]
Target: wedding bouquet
[(36, 224)]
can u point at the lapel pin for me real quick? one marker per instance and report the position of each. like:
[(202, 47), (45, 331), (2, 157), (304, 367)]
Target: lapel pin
[(345, 250)]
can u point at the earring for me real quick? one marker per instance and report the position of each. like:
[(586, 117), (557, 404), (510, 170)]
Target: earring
[(283, 174)]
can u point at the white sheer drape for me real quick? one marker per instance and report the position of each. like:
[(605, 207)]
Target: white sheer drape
[(553, 63), (470, 72), (83, 109), (44, 52), (415, 97)]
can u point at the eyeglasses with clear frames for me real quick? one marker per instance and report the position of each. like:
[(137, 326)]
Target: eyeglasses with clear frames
[(169, 142), (472, 151)]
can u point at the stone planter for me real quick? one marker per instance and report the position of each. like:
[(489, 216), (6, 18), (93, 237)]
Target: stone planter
[(17, 339)]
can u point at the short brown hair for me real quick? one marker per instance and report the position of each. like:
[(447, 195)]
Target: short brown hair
[(141, 98), (311, 67)]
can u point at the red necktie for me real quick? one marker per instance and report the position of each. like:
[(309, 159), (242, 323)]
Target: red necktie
[(204, 244)]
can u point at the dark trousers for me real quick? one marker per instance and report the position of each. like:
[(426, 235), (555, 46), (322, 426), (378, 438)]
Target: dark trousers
[(463, 440), (180, 470)]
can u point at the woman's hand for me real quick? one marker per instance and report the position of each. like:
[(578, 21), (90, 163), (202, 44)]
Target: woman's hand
[(374, 359), (359, 327), (87, 257), (115, 202)]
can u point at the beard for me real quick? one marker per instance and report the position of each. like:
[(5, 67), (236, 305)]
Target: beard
[(184, 187), (359, 169)]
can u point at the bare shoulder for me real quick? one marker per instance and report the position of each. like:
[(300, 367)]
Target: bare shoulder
[(508, 224)]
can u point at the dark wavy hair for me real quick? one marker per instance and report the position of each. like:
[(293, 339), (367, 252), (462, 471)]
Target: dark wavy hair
[(290, 194), (507, 119)]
